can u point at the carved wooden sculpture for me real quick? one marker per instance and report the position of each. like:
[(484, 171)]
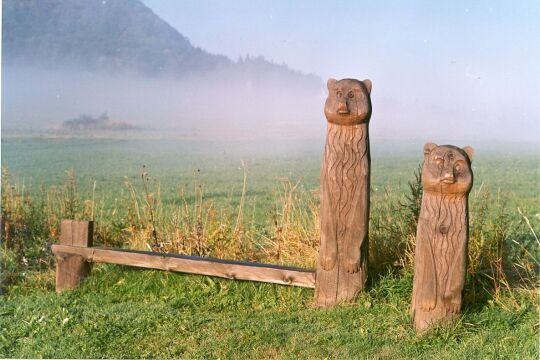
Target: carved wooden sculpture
[(442, 235), (342, 262)]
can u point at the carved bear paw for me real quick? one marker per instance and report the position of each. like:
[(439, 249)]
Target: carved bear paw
[(426, 305), (328, 262), (353, 267), (453, 307)]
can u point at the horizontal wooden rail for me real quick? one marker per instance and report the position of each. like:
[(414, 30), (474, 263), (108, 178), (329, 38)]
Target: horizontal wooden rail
[(229, 269)]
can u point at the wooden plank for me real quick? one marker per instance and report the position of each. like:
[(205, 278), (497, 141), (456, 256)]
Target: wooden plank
[(66, 233), (76, 232), (239, 270), (83, 233), (72, 268)]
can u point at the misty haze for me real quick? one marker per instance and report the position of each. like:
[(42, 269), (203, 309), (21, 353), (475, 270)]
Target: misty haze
[(208, 107), (144, 73), (121, 58)]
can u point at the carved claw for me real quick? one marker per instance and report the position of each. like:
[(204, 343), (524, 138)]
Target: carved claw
[(353, 267), (452, 303), (328, 262), (352, 264), (453, 307), (426, 305)]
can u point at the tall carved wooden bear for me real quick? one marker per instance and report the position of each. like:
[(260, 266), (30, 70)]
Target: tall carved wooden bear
[(344, 217), (442, 235)]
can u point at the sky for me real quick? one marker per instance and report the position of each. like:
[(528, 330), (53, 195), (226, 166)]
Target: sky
[(448, 65)]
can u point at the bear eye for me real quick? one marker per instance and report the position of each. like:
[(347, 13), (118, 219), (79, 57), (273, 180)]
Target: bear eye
[(350, 94), (339, 94), (439, 162), (458, 167)]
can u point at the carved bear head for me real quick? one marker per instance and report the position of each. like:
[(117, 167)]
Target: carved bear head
[(348, 102), (447, 169)]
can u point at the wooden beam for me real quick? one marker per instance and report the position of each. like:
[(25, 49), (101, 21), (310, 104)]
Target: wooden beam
[(239, 270), (72, 268), (77, 233)]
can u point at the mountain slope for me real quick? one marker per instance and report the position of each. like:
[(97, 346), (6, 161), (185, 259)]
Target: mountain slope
[(65, 58), (113, 36), (119, 35)]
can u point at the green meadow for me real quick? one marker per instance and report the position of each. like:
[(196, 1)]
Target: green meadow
[(253, 201)]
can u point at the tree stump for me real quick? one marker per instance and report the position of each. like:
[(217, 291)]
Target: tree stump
[(342, 262), (70, 268), (442, 235)]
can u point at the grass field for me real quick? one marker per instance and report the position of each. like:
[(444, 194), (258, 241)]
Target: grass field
[(256, 202)]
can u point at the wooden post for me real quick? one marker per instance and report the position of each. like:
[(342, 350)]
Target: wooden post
[(70, 268), (345, 176), (442, 235)]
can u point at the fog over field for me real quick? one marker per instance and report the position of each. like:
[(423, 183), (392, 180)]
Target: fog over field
[(123, 59), (210, 107), (206, 107)]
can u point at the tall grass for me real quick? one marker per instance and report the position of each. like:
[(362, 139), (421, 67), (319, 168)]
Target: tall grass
[(503, 246)]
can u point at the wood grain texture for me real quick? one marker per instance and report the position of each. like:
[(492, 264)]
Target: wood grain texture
[(72, 268), (237, 270), (442, 236), (345, 183), (77, 232)]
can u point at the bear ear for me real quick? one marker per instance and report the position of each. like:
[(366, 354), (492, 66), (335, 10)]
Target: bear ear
[(367, 82), (428, 148), (469, 151), (330, 84)]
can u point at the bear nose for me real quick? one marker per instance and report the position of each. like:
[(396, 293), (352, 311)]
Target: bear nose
[(448, 178), (343, 108)]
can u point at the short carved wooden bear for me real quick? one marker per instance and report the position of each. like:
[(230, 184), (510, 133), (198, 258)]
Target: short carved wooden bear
[(342, 262), (442, 235)]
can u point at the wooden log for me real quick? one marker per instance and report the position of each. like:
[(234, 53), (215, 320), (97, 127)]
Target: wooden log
[(345, 179), (72, 268), (239, 270), (442, 235)]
